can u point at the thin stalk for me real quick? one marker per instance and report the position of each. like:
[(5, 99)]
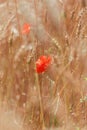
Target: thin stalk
[(58, 78), (18, 18), (40, 101)]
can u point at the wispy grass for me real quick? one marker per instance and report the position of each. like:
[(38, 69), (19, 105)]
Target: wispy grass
[(58, 96)]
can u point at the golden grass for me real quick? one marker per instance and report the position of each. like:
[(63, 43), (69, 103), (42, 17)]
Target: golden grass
[(56, 99)]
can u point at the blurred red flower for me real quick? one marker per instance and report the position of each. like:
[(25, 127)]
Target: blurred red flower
[(26, 28), (42, 63)]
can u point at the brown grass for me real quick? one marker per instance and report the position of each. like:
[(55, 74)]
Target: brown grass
[(56, 99), (9, 120)]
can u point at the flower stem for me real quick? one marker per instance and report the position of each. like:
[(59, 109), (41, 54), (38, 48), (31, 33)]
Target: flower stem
[(40, 101)]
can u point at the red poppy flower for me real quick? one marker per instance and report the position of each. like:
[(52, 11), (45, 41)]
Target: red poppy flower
[(42, 63), (26, 28)]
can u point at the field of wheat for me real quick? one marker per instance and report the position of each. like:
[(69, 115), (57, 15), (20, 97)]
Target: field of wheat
[(43, 67)]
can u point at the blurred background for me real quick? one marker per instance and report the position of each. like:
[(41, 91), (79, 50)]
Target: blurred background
[(56, 98)]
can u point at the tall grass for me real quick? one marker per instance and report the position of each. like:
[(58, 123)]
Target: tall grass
[(57, 98)]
